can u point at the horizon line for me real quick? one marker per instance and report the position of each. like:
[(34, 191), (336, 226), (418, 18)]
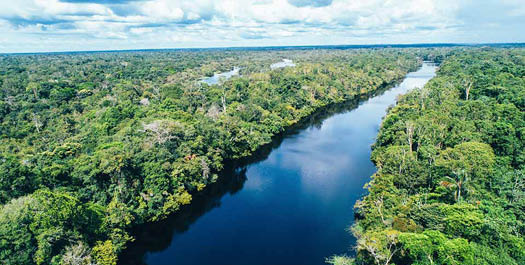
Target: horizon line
[(271, 47)]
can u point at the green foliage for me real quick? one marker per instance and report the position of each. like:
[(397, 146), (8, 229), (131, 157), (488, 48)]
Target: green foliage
[(38, 227), (104, 253), (93, 144), (450, 180), (340, 260), (433, 247), (464, 163)]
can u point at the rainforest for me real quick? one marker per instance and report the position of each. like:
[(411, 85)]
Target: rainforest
[(449, 188), (95, 147)]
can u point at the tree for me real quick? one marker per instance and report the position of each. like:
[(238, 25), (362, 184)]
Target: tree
[(105, 253), (465, 161), (78, 254), (382, 246)]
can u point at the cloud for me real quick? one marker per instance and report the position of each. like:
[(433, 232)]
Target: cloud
[(47, 25), (20, 21), (26, 12), (314, 3), (101, 1)]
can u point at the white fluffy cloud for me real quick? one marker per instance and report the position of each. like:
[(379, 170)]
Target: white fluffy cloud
[(56, 25)]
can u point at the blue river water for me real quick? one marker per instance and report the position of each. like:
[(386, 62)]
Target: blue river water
[(291, 203)]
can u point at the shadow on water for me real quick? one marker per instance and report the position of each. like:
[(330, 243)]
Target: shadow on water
[(157, 236)]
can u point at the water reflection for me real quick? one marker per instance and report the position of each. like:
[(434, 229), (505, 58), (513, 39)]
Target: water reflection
[(218, 77), (158, 236), (289, 203)]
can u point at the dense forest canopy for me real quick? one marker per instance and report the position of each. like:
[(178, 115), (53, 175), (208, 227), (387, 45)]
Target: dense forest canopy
[(450, 185), (92, 144)]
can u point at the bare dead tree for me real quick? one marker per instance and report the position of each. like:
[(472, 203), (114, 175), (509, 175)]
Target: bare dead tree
[(392, 247), (78, 254), (37, 123), (410, 133), (223, 100), (468, 86), (213, 112), (161, 130), (205, 169), (379, 204)]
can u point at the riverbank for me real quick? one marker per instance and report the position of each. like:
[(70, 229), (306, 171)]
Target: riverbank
[(215, 222), (449, 158)]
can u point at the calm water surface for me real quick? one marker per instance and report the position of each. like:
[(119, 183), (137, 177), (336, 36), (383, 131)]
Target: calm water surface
[(217, 77), (290, 205)]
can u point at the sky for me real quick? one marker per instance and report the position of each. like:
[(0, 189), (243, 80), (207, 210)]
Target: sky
[(85, 25)]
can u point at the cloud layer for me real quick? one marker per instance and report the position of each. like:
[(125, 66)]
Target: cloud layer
[(59, 25)]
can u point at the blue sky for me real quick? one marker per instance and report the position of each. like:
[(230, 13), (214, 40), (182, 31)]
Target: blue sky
[(71, 25)]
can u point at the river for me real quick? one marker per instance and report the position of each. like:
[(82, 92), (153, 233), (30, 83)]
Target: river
[(217, 77), (290, 203)]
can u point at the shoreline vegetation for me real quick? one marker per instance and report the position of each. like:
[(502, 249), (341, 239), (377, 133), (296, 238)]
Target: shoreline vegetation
[(94, 144), (450, 185), (231, 179)]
